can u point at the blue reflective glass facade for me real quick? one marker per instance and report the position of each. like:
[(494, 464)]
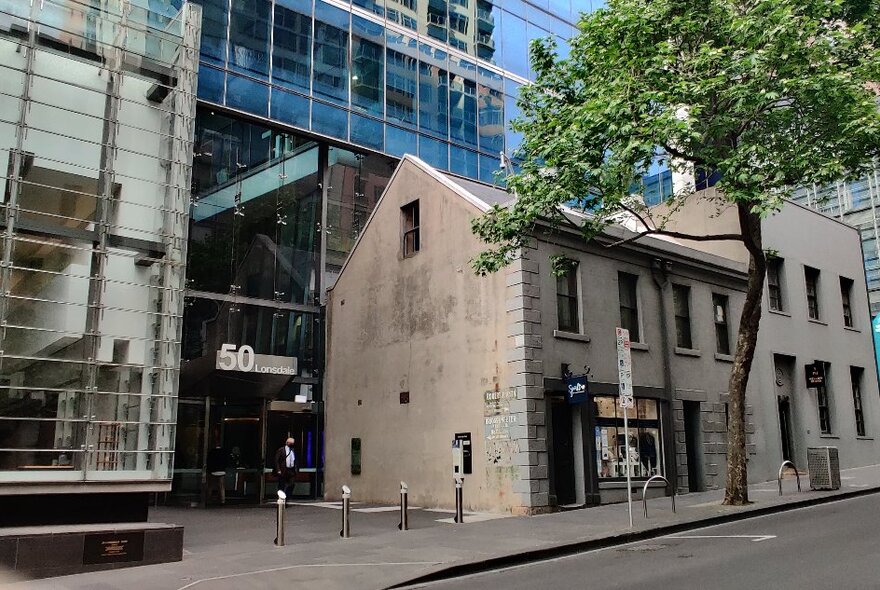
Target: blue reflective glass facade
[(436, 78)]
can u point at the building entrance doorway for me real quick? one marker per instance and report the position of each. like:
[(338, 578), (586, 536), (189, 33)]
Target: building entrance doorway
[(693, 442), (237, 428), (784, 388), (303, 428), (563, 453), (785, 427)]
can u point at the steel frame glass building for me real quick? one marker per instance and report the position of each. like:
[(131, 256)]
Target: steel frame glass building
[(97, 106)]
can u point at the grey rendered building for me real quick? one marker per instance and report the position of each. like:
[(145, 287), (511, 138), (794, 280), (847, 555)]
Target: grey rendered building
[(422, 351)]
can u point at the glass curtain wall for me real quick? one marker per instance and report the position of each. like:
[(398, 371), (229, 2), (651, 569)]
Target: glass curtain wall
[(433, 78), (97, 112)]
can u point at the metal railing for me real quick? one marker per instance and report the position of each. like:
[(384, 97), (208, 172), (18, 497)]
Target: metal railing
[(645, 492), (779, 476)]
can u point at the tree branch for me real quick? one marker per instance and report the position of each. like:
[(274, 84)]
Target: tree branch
[(682, 156), (678, 235), (635, 213)]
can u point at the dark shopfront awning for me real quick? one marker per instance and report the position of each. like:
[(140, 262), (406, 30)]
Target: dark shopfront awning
[(200, 377)]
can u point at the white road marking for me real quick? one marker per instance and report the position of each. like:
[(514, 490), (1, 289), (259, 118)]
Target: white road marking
[(754, 538), (307, 565)]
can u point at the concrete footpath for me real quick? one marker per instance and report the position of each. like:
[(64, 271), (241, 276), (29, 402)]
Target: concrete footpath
[(232, 547)]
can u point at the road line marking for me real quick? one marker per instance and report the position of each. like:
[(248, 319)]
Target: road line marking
[(305, 565), (754, 538)]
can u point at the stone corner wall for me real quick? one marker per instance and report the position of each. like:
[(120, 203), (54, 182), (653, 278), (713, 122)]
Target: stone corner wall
[(531, 478)]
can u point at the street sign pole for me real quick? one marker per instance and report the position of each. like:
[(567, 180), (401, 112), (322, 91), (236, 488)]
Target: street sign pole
[(626, 401), (629, 499)]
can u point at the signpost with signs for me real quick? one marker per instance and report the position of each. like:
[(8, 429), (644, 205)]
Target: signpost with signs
[(626, 400)]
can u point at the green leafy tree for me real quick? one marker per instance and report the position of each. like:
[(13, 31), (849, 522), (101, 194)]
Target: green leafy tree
[(771, 94)]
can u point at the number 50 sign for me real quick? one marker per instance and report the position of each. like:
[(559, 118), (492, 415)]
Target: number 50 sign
[(229, 360), (242, 358)]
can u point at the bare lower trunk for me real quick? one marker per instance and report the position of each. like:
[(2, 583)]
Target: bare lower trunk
[(737, 492)]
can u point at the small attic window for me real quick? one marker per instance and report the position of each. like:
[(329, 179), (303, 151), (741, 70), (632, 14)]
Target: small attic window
[(409, 218)]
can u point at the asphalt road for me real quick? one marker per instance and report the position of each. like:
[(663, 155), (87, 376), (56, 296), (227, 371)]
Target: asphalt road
[(834, 545)]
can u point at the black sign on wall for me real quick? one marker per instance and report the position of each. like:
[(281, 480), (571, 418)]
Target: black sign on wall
[(113, 547), (815, 373), (466, 452), (355, 456)]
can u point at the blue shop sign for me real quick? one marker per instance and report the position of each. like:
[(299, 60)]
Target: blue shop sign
[(578, 389)]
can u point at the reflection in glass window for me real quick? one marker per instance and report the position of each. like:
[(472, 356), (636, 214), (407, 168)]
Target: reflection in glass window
[(355, 183), (401, 78), (291, 108), (292, 39), (247, 95), (213, 40), (249, 37), (491, 112), (433, 92), (211, 84), (489, 167), (366, 65), (515, 56), (462, 161), (512, 139), (399, 142), (330, 65), (329, 120), (563, 8), (488, 25), (375, 6), (367, 132), (433, 152), (644, 444), (463, 110), (434, 24)]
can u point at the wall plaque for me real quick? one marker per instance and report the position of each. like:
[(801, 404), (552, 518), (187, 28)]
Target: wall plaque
[(113, 547)]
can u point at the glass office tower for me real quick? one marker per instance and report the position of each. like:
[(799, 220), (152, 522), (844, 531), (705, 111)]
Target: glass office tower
[(97, 107), (305, 107)]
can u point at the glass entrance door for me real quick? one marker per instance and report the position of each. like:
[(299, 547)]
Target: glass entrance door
[(302, 427), (240, 428)]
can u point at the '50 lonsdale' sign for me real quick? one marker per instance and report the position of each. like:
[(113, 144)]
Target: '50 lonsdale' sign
[(245, 360)]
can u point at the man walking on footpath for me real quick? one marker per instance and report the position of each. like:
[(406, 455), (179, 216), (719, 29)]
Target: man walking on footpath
[(286, 467)]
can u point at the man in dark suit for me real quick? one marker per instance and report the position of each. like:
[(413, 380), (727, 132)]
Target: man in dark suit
[(286, 467)]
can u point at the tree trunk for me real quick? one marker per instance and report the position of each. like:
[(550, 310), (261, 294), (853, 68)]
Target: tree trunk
[(737, 492)]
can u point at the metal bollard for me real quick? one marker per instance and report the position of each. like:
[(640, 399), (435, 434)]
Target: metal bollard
[(345, 533), (404, 505), (279, 519), (459, 508)]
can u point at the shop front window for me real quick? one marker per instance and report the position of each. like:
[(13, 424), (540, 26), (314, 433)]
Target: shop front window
[(644, 443)]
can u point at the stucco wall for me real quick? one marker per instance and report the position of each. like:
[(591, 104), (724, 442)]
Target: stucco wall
[(803, 237), (427, 325)]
